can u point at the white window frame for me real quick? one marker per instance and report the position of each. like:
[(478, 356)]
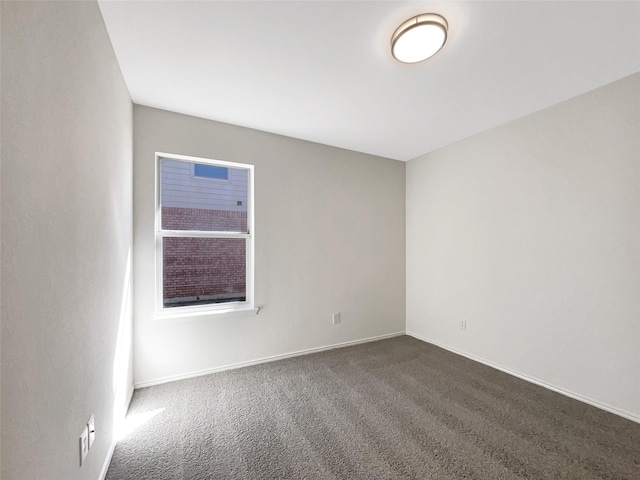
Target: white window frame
[(213, 308)]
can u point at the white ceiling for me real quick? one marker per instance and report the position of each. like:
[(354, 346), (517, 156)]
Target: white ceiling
[(323, 71)]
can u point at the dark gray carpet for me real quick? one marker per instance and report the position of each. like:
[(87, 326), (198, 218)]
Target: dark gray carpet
[(398, 408)]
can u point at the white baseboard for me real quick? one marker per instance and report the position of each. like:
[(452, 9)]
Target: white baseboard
[(258, 361), (107, 461), (575, 396)]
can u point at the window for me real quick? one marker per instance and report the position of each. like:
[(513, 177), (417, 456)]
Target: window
[(204, 235), (210, 171)]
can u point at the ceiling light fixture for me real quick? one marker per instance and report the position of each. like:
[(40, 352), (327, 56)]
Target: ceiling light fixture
[(419, 38)]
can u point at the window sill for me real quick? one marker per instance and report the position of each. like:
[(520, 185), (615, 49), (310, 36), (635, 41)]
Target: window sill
[(202, 314)]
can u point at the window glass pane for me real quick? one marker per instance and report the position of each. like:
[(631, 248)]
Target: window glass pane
[(190, 202), (201, 271), (210, 171)]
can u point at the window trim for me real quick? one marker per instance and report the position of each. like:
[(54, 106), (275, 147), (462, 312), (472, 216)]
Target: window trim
[(215, 308)]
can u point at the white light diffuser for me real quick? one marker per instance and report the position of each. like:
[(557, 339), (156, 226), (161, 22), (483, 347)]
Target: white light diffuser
[(419, 38)]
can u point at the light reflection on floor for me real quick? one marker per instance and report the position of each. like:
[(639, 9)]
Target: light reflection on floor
[(134, 421)]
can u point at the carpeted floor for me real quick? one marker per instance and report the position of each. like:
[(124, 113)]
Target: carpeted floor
[(397, 408)]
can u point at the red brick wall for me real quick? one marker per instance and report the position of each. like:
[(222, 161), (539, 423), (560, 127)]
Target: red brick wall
[(175, 218), (203, 267)]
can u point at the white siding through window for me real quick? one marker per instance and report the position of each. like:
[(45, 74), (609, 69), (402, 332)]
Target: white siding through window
[(182, 189)]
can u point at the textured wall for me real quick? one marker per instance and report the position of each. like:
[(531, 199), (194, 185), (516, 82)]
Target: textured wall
[(66, 239), (329, 237), (531, 233)]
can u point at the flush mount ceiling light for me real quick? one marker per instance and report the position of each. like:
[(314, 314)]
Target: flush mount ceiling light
[(419, 38)]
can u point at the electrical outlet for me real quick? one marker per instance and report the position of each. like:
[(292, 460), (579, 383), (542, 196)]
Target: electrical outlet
[(463, 324), (91, 428), (84, 444), (336, 318)]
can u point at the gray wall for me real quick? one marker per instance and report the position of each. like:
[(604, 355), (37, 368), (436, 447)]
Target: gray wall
[(531, 233), (329, 237), (66, 238)]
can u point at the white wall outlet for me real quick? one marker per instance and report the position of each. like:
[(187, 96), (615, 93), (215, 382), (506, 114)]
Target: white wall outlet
[(84, 444), (463, 324), (91, 427), (336, 318)]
